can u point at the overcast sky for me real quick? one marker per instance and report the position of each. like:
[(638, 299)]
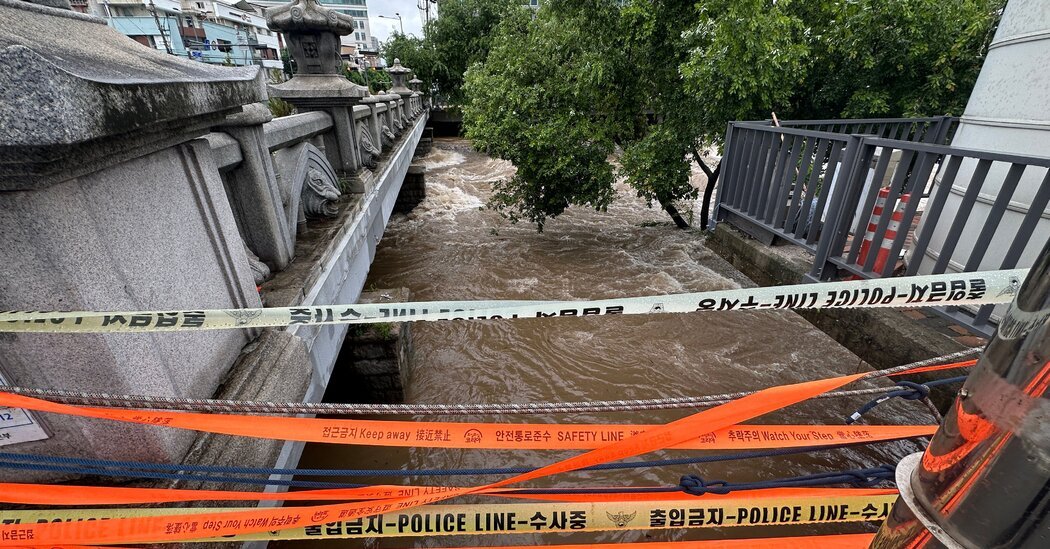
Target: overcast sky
[(411, 15)]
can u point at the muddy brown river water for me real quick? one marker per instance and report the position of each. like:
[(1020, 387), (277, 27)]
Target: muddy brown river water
[(451, 248)]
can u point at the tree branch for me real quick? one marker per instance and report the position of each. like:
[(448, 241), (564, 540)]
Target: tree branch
[(712, 178), (668, 206)]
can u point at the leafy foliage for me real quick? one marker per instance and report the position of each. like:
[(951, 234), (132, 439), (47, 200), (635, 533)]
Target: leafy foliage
[(279, 107), (416, 54), (895, 58), (560, 90), (462, 36), (746, 59), (376, 80), (547, 101)]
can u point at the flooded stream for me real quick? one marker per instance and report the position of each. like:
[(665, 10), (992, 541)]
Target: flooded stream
[(450, 248)]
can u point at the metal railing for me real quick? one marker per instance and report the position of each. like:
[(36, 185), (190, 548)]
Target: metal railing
[(861, 203), (936, 129)]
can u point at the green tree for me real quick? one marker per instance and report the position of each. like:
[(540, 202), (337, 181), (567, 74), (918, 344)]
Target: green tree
[(377, 81), (894, 58), (560, 91), (546, 100), (416, 54), (286, 63), (462, 36)]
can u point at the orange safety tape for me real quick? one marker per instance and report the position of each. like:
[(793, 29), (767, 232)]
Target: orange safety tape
[(70, 547), (937, 368), (170, 528), (515, 436), (834, 541), (72, 495)]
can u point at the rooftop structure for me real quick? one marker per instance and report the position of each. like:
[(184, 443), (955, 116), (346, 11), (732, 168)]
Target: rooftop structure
[(210, 31)]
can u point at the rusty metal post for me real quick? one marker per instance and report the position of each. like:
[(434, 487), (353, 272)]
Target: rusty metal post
[(984, 480)]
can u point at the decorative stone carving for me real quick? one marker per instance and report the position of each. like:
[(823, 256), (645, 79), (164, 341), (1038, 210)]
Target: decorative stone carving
[(415, 84), (307, 183), (260, 272), (318, 194), (388, 136), (313, 32), (369, 152)]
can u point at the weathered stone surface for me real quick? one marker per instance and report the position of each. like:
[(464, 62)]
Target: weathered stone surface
[(318, 91), (116, 240), (308, 187), (399, 75), (273, 368), (253, 191), (283, 132), (77, 96), (313, 35)]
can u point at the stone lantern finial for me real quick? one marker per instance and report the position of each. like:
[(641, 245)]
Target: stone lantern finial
[(313, 35), (415, 84), (397, 76)]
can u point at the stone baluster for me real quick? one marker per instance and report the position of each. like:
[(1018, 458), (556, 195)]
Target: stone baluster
[(111, 201), (253, 190), (391, 109), (313, 32), (417, 104)]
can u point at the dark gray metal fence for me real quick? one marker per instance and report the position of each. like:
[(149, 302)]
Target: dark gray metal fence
[(819, 189), (937, 130)]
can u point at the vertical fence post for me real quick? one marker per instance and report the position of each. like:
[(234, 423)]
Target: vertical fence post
[(834, 220), (944, 123), (720, 185)]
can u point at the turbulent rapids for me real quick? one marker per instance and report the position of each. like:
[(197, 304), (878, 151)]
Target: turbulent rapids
[(452, 248)]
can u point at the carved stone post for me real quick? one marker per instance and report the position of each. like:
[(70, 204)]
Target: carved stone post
[(391, 113), (417, 105), (374, 122), (399, 78), (252, 189), (319, 83)]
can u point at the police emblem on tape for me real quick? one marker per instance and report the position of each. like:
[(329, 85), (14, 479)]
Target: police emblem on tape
[(621, 520)]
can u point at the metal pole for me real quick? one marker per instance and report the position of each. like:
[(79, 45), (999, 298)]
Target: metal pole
[(984, 480), (163, 36)]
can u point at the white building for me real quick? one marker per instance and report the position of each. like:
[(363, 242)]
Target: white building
[(358, 41), (210, 31)]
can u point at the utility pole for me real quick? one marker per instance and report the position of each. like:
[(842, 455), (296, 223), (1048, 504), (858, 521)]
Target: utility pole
[(160, 29), (983, 480), (400, 22)]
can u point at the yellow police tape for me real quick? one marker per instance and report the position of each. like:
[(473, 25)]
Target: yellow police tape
[(918, 291), (532, 518)]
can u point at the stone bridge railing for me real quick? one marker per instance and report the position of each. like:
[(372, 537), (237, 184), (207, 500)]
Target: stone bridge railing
[(134, 180), (278, 173)]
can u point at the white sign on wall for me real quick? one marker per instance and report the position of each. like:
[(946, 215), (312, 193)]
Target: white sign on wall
[(18, 425)]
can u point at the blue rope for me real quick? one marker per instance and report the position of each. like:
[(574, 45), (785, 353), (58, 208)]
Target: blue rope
[(909, 391), (6, 458), (694, 485), (172, 476)]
